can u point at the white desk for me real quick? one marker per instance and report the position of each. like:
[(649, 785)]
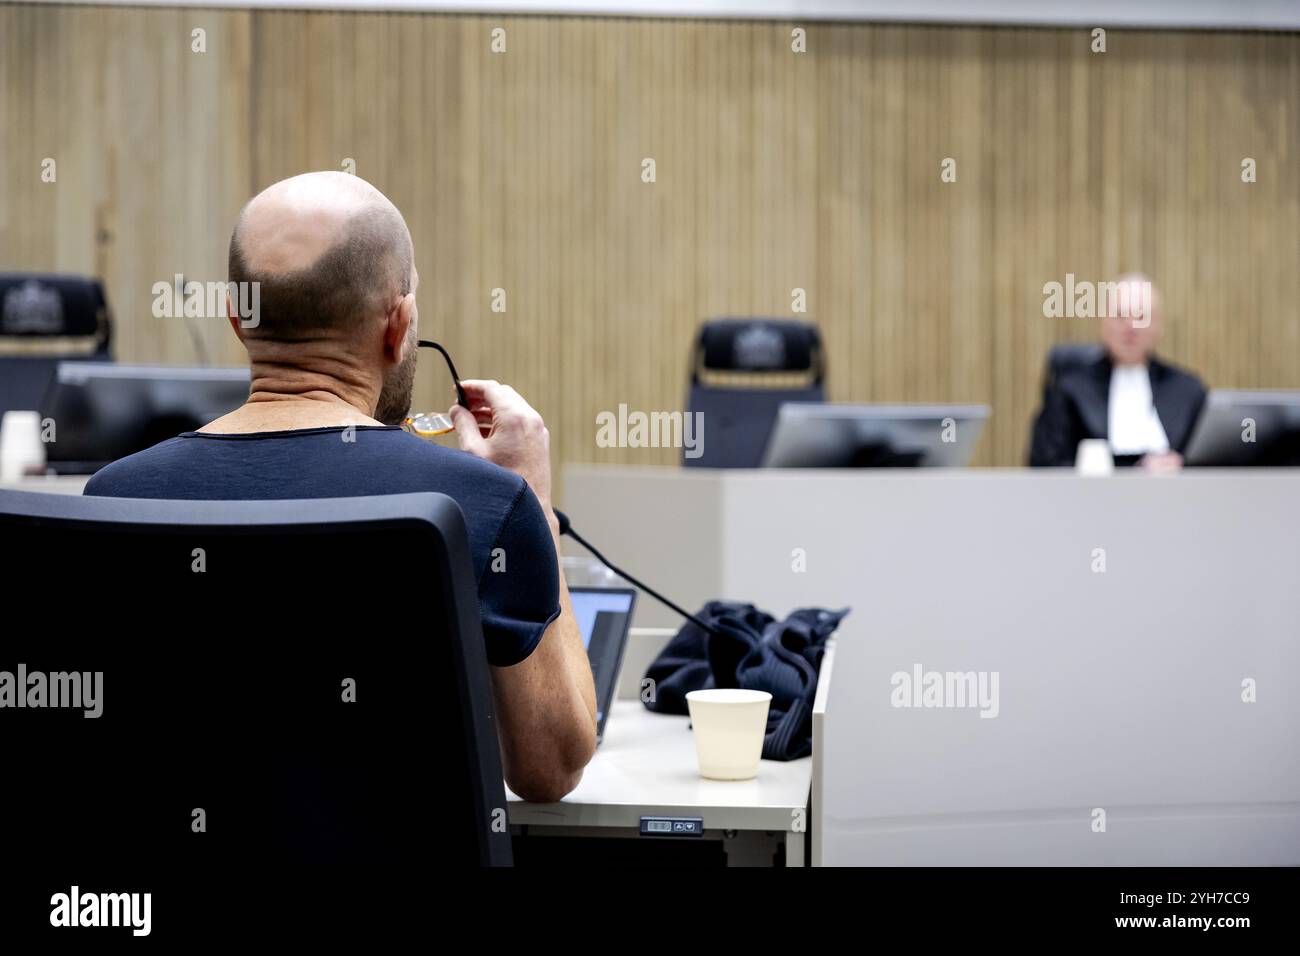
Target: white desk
[(50, 484), (646, 766)]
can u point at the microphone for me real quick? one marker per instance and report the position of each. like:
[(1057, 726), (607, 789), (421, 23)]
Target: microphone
[(567, 528)]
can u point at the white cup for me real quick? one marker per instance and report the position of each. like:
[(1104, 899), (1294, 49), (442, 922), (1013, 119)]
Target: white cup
[(729, 728), (1093, 457), (21, 450)]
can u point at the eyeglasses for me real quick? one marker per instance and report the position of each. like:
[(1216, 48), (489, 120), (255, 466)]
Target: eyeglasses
[(431, 424)]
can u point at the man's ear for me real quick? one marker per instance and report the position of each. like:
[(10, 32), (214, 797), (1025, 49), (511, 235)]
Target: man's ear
[(397, 333), (232, 316)]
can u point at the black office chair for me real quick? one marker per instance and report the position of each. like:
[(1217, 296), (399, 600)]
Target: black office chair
[(1067, 357), (226, 632), (46, 319), (741, 372)]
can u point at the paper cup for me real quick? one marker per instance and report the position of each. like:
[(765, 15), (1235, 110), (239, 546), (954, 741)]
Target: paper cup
[(729, 728), (1093, 457), (21, 450)]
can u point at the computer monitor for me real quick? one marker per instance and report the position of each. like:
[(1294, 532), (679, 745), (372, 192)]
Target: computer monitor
[(1247, 428), (604, 616), (808, 435), (104, 411)]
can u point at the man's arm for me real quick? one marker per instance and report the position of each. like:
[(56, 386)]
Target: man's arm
[(1053, 440), (545, 704)]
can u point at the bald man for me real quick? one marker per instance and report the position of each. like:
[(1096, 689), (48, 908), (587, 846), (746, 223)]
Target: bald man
[(1143, 407), (332, 355)]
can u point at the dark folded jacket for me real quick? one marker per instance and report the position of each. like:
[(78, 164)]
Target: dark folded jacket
[(754, 651)]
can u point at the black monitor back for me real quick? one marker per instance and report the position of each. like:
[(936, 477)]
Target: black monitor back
[(103, 411)]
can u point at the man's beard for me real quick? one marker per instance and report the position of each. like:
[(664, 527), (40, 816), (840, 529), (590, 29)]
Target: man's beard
[(395, 396)]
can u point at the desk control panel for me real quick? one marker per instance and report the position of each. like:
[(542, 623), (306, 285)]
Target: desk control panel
[(672, 826)]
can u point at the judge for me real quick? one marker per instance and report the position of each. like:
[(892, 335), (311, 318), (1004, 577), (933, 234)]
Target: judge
[(1145, 408)]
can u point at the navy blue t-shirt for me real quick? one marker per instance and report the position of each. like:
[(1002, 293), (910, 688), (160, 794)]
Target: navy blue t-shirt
[(517, 601)]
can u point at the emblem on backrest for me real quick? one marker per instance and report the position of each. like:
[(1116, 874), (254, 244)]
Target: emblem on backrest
[(32, 309), (759, 347)]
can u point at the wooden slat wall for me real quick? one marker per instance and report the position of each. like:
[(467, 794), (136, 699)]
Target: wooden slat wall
[(775, 170)]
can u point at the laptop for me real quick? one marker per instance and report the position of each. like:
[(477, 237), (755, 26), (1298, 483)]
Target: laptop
[(604, 617)]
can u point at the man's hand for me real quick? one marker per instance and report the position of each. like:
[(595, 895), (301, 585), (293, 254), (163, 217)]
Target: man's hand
[(1162, 462), (545, 704), (507, 431)]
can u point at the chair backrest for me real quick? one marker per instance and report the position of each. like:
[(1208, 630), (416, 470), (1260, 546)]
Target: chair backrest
[(742, 371), (36, 305), (1068, 357), (309, 674), (45, 319)]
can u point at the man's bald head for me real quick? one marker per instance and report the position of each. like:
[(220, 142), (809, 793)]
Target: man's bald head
[(327, 249)]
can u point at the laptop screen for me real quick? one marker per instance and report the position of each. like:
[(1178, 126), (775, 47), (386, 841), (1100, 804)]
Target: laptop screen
[(604, 615)]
